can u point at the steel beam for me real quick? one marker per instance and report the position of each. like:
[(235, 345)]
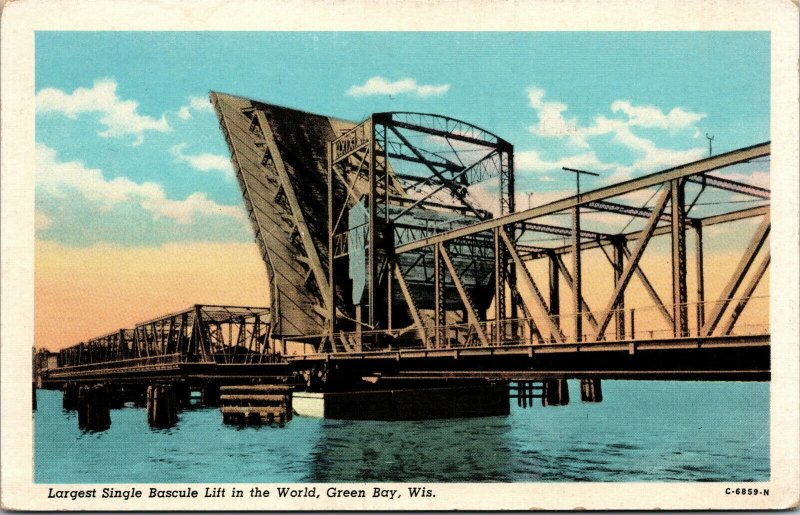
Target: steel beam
[(455, 189), (727, 294), (648, 181), (734, 216), (577, 293), (619, 265), (297, 213), (439, 311), (443, 134), (499, 288), (568, 279), (472, 317), (412, 308), (604, 239), (331, 290), (555, 290), (560, 231), (622, 209), (678, 224), (536, 295), (633, 263), (648, 286), (734, 186), (727, 326), (701, 280)]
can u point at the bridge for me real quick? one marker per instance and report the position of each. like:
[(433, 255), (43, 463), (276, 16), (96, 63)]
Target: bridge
[(397, 258)]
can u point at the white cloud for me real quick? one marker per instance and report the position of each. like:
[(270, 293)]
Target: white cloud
[(203, 162), (380, 86), (553, 124), (655, 118), (196, 104), (119, 117), (530, 160), (57, 178), (649, 157)]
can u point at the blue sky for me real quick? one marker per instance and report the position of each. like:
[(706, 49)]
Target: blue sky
[(129, 151)]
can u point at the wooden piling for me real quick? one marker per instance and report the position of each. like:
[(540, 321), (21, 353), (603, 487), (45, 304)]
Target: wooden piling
[(70, 401), (162, 406), (94, 411), (555, 392), (591, 390), (255, 404), (210, 394)]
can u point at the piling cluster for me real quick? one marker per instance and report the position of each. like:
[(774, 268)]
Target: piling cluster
[(256, 404), (162, 406), (591, 391), (555, 392), (94, 410)]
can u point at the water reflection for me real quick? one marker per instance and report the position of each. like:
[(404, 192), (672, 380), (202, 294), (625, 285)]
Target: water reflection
[(471, 450)]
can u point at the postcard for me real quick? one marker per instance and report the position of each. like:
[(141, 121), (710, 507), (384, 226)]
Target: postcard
[(399, 256)]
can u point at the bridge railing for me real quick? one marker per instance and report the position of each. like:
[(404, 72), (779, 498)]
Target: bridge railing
[(742, 316), (131, 363)]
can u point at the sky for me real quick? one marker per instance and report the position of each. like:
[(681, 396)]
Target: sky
[(137, 208)]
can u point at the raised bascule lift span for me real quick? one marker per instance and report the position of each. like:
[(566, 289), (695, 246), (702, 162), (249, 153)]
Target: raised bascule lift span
[(386, 266), (445, 273)]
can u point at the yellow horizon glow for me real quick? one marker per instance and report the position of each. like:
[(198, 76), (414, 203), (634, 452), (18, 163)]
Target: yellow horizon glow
[(82, 293)]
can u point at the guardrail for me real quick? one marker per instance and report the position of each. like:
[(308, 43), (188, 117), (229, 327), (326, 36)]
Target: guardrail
[(641, 323)]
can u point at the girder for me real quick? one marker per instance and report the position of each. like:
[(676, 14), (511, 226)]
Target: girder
[(648, 181)]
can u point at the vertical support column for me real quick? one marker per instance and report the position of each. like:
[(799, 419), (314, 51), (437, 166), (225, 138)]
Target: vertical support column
[(619, 265), (389, 281), (388, 230), (372, 257), (94, 412), (576, 272), (162, 409), (679, 297), (555, 290), (591, 390), (701, 281), (359, 322), (331, 251), (438, 294), (511, 277), (499, 288), (555, 392), (210, 394), (70, 401)]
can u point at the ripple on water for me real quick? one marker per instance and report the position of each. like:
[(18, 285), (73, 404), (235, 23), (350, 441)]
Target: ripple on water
[(622, 439)]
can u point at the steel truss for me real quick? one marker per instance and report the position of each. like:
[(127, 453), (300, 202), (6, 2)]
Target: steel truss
[(666, 216), (398, 164), (202, 333)]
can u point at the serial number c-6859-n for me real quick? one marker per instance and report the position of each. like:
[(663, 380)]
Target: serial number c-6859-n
[(747, 491)]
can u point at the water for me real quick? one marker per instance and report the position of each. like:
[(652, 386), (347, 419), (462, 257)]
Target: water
[(642, 431)]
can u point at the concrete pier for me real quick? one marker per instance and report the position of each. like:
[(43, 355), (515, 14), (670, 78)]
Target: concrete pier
[(406, 404)]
